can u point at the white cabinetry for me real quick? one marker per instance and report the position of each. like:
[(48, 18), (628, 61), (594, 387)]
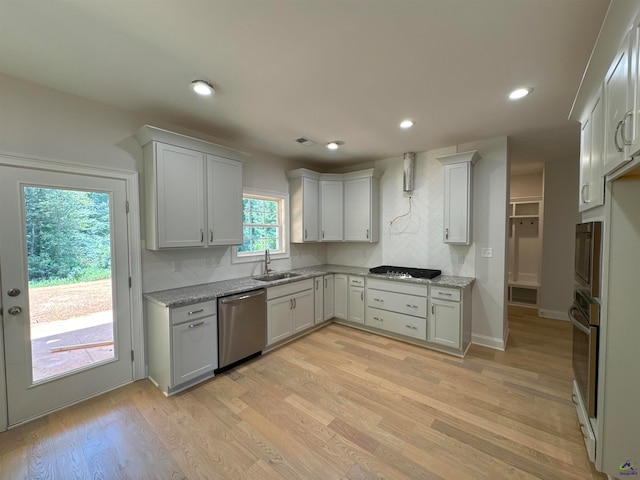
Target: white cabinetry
[(356, 299), (591, 158), (341, 295), (397, 307), (329, 295), (193, 191), (362, 207), (458, 182), (450, 324), (290, 309), (183, 344), (618, 97), (331, 209), (304, 206)]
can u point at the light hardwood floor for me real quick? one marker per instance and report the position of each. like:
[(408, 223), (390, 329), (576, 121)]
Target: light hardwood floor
[(338, 403)]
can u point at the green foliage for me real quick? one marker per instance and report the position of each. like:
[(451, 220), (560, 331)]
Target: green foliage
[(89, 275), (68, 234)]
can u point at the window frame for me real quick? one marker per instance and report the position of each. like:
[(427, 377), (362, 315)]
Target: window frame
[(283, 200)]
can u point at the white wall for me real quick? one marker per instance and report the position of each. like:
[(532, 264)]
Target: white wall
[(560, 217), (526, 184), (416, 239)]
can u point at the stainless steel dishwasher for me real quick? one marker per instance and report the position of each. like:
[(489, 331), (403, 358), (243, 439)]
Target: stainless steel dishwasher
[(242, 327)]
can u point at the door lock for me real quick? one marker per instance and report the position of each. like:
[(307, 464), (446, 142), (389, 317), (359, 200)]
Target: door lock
[(13, 292), (14, 310)]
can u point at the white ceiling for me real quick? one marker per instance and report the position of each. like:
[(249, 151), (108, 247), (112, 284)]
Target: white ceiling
[(345, 70)]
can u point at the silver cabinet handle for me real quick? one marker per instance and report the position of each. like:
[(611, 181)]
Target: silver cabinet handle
[(322, 233), (447, 294), (446, 234), (615, 136), (201, 235), (193, 312), (194, 325), (362, 296), (291, 304), (378, 319), (317, 284), (14, 310), (305, 233), (582, 190), (295, 303), (574, 399), (433, 311), (411, 327), (367, 233), (211, 234), (629, 114), (325, 283), (381, 300), (582, 430), (412, 306)]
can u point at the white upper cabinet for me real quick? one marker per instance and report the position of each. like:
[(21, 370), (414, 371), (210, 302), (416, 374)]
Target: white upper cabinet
[(224, 201), (634, 85), (458, 182), (193, 191), (591, 192), (362, 207), (346, 206), (304, 205), (618, 98), (331, 209)]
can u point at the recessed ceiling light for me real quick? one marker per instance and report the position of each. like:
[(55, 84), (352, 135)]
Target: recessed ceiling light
[(519, 93), (333, 145), (407, 123), (202, 88)]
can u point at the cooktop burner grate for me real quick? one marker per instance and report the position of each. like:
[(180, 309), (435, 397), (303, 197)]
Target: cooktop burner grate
[(405, 271)]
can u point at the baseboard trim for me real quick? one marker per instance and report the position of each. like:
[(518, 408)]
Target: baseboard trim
[(491, 342), (554, 314)]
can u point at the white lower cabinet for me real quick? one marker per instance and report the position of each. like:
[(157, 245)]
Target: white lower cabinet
[(450, 324), (290, 309), (182, 343), (341, 295), (356, 300)]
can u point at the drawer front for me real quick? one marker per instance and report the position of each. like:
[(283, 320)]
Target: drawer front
[(289, 288), (191, 312), (398, 286), (445, 293), (397, 302), (397, 323), (356, 281)]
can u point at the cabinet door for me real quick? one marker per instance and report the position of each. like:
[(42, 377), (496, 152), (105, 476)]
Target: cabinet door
[(180, 197), (341, 294), (329, 295), (444, 327), (302, 310), (356, 304), (279, 319), (457, 196), (357, 210), (618, 113), (585, 164), (224, 201), (310, 210), (331, 210), (195, 349), (318, 297)]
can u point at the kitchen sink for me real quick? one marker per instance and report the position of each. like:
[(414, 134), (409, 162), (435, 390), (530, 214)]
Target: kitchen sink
[(269, 277)]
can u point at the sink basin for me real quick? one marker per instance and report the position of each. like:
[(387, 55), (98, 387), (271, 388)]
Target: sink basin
[(269, 277)]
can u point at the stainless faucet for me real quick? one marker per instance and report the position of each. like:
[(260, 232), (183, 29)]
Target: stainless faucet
[(267, 261)]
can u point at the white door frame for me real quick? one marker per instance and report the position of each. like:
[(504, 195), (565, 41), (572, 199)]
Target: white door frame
[(133, 228)]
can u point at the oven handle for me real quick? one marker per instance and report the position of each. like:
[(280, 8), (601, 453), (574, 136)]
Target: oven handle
[(577, 323)]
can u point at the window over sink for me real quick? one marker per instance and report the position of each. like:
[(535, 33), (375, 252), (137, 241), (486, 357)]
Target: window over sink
[(264, 226)]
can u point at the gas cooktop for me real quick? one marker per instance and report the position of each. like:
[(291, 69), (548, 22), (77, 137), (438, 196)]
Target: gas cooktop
[(405, 271)]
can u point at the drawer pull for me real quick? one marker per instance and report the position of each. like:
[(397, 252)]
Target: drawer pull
[(194, 325), (444, 293), (378, 319), (378, 300), (196, 311), (412, 306), (411, 327), (574, 399), (582, 430)]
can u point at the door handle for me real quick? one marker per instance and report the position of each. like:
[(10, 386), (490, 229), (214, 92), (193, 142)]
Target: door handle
[(629, 114), (615, 136), (13, 292), (14, 310)]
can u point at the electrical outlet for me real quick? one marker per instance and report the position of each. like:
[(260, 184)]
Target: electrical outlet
[(486, 252)]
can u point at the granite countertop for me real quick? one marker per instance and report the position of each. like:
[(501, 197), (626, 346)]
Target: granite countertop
[(178, 297)]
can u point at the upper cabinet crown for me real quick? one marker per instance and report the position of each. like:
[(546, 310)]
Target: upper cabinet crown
[(193, 191), (334, 207), (458, 185)]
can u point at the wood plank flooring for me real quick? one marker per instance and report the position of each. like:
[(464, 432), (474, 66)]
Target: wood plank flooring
[(336, 404)]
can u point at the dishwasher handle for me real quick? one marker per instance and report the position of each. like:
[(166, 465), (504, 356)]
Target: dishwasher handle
[(242, 296)]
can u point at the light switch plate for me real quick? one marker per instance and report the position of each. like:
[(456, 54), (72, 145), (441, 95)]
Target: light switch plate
[(486, 252)]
